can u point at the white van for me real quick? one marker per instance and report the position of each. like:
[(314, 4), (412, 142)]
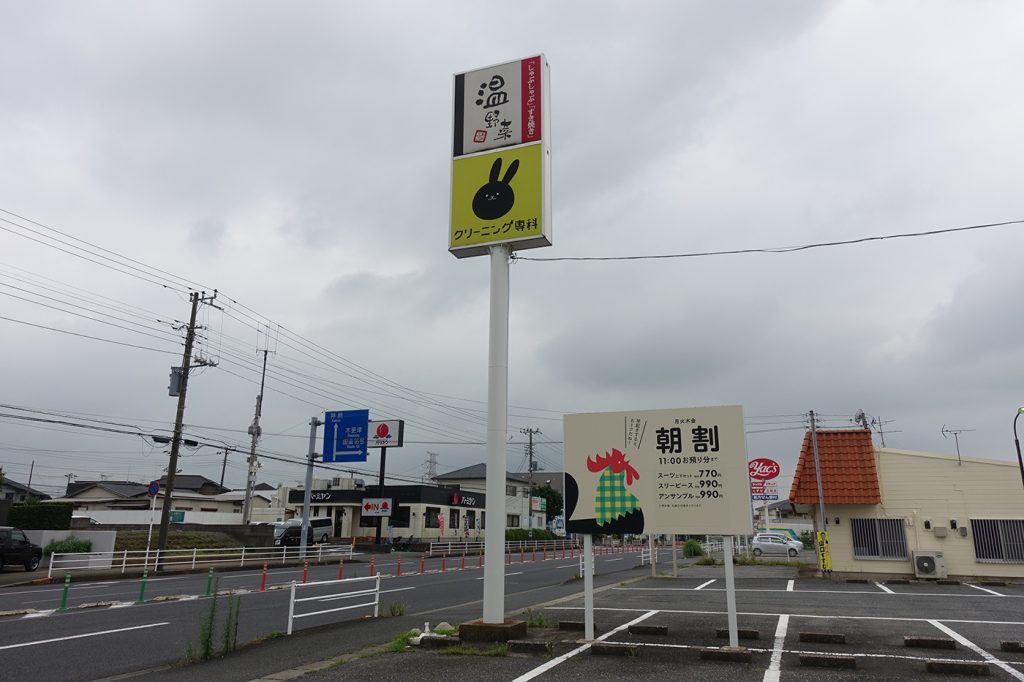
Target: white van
[(322, 526)]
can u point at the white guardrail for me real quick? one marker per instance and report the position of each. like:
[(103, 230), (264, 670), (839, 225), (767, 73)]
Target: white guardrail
[(189, 558), (457, 548), (375, 602)]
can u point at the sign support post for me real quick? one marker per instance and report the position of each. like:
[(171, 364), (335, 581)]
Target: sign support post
[(307, 491), (588, 587), (730, 591), (500, 200), (497, 423), (380, 491)]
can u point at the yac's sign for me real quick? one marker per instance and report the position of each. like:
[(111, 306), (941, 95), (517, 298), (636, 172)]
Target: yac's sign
[(660, 471), (763, 469), (501, 160)]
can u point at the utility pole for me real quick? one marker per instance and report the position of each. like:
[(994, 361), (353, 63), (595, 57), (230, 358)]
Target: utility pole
[(529, 452), (817, 472), (69, 477), (224, 465), (31, 468), (172, 468), (255, 431)]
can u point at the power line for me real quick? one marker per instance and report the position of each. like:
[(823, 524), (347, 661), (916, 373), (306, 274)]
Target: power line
[(778, 249), (86, 336)]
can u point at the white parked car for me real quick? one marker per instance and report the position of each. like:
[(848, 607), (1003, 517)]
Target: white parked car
[(775, 545)]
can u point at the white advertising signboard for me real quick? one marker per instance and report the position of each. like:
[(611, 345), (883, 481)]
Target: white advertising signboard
[(659, 471), (376, 506), (386, 434), (501, 158)]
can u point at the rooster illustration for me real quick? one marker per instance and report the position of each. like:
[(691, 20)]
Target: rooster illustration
[(616, 509)]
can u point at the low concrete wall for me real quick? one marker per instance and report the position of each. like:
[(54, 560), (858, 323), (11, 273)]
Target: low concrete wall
[(102, 541)]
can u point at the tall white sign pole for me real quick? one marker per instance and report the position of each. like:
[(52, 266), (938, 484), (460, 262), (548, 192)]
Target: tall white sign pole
[(730, 590), (497, 423), (588, 587)]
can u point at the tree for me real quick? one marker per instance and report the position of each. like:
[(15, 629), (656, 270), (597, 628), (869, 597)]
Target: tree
[(554, 498)]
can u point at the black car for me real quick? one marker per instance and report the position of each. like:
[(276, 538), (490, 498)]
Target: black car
[(15, 548)]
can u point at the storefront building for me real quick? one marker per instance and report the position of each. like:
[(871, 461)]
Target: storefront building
[(422, 512)]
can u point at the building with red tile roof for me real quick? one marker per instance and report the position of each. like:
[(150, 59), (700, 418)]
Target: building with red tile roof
[(914, 514), (848, 472)]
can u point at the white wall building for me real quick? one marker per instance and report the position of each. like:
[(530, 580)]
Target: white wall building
[(473, 479), (913, 513)]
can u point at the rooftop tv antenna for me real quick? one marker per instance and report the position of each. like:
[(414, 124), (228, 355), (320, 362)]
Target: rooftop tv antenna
[(956, 438)]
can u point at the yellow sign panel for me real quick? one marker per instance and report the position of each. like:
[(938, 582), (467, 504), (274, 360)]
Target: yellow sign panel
[(824, 553), (497, 197)]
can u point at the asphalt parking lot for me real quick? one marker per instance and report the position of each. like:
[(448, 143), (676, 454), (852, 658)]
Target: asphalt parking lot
[(789, 622)]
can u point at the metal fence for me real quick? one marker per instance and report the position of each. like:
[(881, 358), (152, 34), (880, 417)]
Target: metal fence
[(457, 548), (348, 582), (137, 560)]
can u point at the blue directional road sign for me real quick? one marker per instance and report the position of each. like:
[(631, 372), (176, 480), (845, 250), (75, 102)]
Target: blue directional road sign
[(345, 435)]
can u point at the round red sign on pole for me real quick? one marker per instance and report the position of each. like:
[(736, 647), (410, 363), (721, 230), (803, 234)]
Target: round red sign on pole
[(383, 431), (763, 469)]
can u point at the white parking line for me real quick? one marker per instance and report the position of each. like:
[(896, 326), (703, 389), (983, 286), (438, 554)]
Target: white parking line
[(703, 585), (806, 592), (506, 575), (86, 634), (978, 650), (794, 615), (860, 655), (985, 589), (774, 670), (883, 588), (564, 657), (576, 565)]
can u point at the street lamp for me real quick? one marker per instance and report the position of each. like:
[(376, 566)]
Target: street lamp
[(1016, 441)]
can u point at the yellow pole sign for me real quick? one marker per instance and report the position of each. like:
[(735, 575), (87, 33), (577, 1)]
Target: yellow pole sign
[(824, 553), (501, 159)]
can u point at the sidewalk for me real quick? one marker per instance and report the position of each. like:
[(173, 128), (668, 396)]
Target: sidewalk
[(13, 576)]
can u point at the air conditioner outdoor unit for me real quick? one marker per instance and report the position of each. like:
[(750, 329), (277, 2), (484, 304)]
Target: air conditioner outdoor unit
[(929, 564)]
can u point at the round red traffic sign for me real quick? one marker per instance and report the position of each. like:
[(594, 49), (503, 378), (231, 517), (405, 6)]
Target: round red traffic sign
[(763, 469)]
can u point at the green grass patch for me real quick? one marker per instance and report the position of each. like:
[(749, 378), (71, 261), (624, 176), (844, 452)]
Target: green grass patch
[(462, 650), (693, 548), (400, 643), (537, 619), (135, 540), (707, 561), (396, 608), (67, 546)]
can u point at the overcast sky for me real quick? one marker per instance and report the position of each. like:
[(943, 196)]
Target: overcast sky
[(296, 157)]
